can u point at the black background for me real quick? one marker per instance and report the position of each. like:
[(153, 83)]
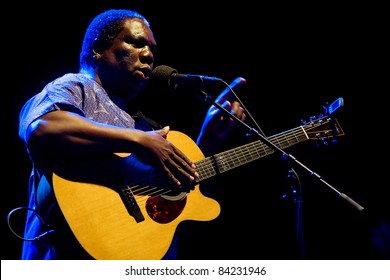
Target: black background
[(295, 58)]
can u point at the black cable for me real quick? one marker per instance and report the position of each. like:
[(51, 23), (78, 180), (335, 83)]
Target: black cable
[(39, 217), (246, 110)]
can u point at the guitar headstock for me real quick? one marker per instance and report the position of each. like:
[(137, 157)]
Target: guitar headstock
[(323, 127)]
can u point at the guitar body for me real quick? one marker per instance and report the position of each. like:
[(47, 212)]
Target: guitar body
[(102, 224)]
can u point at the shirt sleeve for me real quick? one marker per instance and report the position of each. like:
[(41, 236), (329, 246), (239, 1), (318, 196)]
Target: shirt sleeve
[(55, 96)]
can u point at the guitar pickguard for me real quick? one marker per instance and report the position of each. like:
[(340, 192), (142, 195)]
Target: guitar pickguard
[(162, 210)]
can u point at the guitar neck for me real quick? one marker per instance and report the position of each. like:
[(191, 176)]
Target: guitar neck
[(230, 159)]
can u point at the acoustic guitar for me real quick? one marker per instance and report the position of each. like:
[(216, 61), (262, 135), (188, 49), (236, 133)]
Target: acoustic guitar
[(137, 220)]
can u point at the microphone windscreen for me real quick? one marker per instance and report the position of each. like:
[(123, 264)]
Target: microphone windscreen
[(161, 75)]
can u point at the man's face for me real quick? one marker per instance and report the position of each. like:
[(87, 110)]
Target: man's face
[(126, 65)]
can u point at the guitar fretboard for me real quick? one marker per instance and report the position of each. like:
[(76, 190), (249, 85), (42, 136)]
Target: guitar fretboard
[(227, 160)]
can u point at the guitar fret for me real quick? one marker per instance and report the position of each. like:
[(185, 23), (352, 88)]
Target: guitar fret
[(238, 156), (205, 169)]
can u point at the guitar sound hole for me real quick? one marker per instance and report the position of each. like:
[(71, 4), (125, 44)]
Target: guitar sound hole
[(164, 211)]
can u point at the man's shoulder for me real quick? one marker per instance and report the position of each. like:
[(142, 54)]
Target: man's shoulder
[(74, 78)]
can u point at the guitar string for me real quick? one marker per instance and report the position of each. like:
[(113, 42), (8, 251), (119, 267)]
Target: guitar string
[(257, 150), (281, 139), (206, 167), (203, 166)]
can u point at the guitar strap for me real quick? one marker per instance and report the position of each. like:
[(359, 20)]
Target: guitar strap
[(144, 123)]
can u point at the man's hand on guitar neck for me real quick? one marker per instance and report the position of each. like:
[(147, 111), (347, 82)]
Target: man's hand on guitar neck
[(216, 126)]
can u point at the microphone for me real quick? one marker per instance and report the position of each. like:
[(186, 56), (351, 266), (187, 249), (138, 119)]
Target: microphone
[(164, 75)]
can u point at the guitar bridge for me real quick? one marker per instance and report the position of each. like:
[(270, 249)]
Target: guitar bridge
[(131, 204)]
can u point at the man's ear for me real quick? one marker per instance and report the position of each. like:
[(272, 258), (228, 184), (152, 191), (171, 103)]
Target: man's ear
[(98, 46)]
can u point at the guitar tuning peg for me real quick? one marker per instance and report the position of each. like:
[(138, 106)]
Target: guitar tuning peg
[(326, 108), (303, 121), (325, 141)]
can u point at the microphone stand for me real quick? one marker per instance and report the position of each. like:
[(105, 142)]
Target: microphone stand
[(251, 131), (295, 190)]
